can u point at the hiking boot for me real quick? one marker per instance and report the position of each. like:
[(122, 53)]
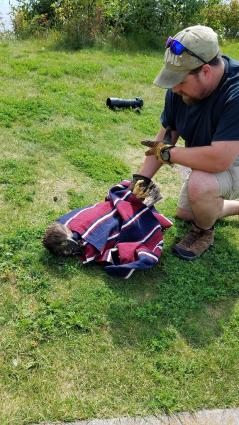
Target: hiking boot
[(195, 243)]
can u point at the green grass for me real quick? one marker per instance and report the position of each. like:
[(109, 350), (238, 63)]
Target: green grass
[(75, 343)]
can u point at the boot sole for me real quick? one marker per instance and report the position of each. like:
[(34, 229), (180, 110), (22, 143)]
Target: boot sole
[(185, 257)]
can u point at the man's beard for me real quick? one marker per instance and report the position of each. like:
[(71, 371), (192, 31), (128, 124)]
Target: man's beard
[(189, 100)]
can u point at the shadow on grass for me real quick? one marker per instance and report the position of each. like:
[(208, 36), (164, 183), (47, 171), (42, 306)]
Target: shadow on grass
[(192, 299)]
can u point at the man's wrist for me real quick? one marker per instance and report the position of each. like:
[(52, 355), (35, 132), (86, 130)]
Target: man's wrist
[(165, 154)]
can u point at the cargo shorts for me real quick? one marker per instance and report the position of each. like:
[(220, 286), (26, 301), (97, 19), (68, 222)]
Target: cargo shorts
[(228, 186)]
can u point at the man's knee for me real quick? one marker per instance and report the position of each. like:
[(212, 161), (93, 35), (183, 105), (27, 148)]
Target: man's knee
[(201, 185), (184, 214)]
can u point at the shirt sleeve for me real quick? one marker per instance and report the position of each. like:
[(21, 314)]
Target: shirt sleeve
[(166, 118), (228, 125)]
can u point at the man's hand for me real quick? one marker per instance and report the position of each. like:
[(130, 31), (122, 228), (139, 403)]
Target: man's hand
[(145, 190), (140, 185), (140, 191), (157, 147)]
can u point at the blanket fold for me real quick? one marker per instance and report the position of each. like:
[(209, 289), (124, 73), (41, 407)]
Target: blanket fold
[(120, 232)]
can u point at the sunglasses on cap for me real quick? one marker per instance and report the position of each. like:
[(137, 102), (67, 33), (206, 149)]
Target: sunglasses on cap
[(178, 48)]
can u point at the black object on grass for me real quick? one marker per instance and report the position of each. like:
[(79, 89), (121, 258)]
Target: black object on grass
[(117, 103)]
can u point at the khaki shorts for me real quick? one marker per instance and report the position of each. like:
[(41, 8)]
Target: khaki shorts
[(228, 186)]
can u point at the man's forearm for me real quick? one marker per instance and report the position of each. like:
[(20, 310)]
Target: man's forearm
[(150, 166), (211, 159)]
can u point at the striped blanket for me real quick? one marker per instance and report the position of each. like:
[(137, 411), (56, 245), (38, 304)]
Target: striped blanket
[(122, 233)]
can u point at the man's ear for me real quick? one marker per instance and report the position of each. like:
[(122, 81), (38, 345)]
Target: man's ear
[(207, 71)]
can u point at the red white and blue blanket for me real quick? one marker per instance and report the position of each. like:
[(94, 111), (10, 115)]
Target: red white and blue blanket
[(121, 232)]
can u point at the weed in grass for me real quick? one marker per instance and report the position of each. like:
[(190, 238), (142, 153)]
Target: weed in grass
[(17, 180), (23, 111), (83, 70), (98, 165), (53, 320), (55, 140), (23, 67), (76, 200)]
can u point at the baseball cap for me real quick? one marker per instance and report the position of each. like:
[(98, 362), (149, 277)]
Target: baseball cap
[(202, 41)]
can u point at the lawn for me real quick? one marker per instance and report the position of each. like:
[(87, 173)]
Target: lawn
[(74, 342)]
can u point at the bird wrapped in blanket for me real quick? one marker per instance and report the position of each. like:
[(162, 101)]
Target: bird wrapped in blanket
[(61, 241)]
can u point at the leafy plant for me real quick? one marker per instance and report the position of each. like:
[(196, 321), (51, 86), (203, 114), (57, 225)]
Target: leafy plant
[(85, 22)]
